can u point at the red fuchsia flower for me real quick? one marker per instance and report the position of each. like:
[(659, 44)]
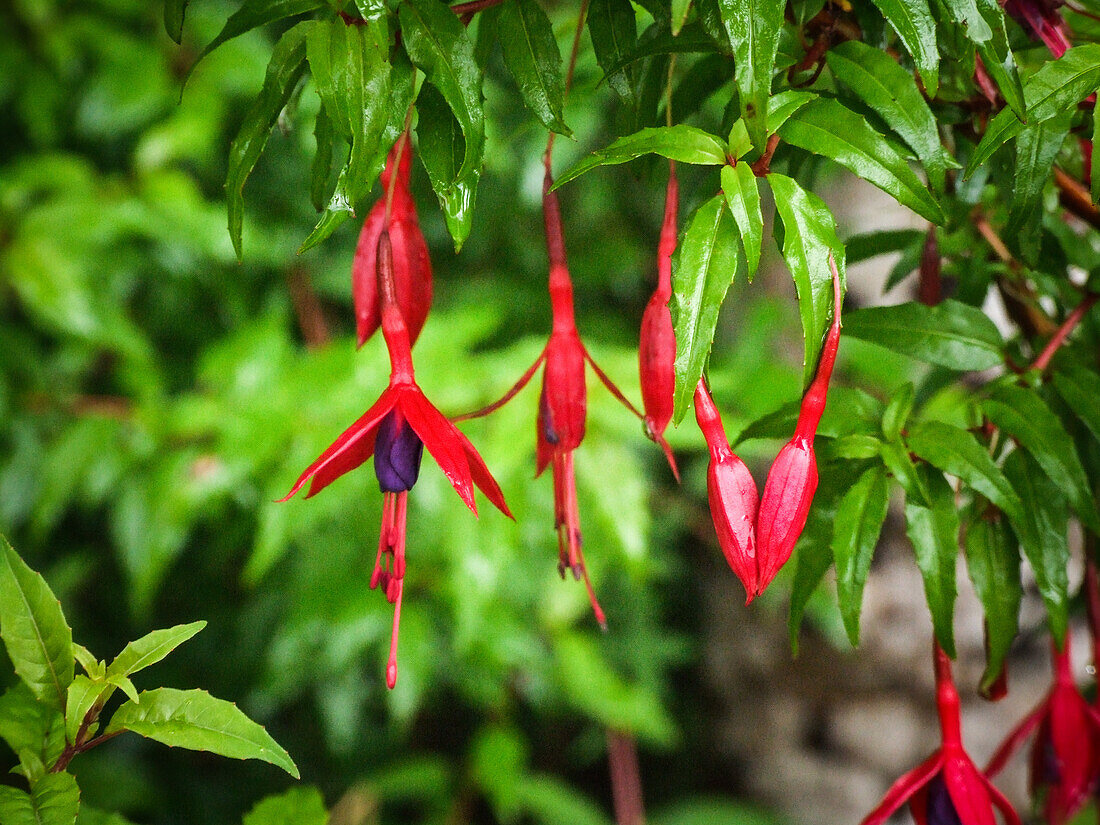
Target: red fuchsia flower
[(1041, 20), (412, 268), (1064, 755), (792, 479), (732, 495), (657, 345), (946, 788), (395, 430)]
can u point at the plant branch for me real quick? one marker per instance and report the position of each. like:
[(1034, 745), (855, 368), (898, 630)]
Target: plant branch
[(1076, 199), (626, 778), (1060, 335), (307, 308)]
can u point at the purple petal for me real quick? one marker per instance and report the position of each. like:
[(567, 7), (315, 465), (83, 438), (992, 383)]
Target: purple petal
[(397, 453)]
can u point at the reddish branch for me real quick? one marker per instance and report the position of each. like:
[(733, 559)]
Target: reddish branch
[(307, 308), (626, 778), (930, 286), (1060, 335), (1076, 199)]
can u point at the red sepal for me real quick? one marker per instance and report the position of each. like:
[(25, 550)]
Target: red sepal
[(784, 506)]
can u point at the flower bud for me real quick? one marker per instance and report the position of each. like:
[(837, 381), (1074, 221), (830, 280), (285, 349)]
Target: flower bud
[(563, 401), (788, 493)]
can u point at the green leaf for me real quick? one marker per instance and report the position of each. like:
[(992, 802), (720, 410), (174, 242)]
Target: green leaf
[(682, 143), (1058, 85), (92, 666), (998, 58), (703, 266), (287, 65), (994, 565), (959, 453), (934, 532), (35, 732), (532, 56), (442, 148), (896, 458), (898, 410), (678, 14), (743, 198), (614, 31), (54, 800), (1024, 415), (878, 80), (950, 334), (1094, 182), (856, 528), (321, 169), (195, 720), (812, 558), (826, 127), (550, 801), (1036, 148), (808, 233), (1080, 388), (37, 637), (970, 20), (753, 27), (912, 20), (254, 13), (784, 104), (174, 11), (871, 244), (82, 694), (151, 648), (1041, 526), (297, 806)]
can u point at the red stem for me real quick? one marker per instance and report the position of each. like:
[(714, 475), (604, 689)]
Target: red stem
[(930, 286), (1060, 335), (813, 402), (393, 324), (947, 699), (626, 780)]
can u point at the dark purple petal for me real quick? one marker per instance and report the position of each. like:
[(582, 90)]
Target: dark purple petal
[(397, 452), (941, 810)]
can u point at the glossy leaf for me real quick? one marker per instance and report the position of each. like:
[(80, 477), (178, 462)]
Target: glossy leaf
[(532, 56), (678, 14), (37, 637), (808, 233), (901, 466), (682, 143), (878, 80), (254, 13), (753, 27), (614, 32), (826, 127), (783, 104), (442, 149), (958, 452), (897, 411), (81, 695), (296, 806), (950, 334), (703, 266), (151, 648), (1036, 149), (970, 19), (692, 39), (195, 720), (994, 566), (912, 20), (1058, 85), (287, 65), (998, 59), (1041, 527), (54, 800), (174, 11), (934, 532), (856, 528), (34, 731), (1024, 415), (1080, 388), (743, 199), (320, 189)]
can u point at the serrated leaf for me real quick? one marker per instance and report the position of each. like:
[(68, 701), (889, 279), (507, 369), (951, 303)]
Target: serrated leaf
[(934, 533), (994, 566), (743, 199), (532, 56), (287, 65), (704, 265), (1024, 415), (1080, 388), (1041, 527), (950, 334), (35, 732), (124, 684), (442, 148), (82, 694), (297, 806), (897, 411), (92, 666), (151, 648), (1057, 86), (54, 800), (783, 104), (890, 90), (174, 11), (828, 128), (37, 637), (1036, 148), (856, 528), (912, 20), (958, 452), (682, 143), (255, 13), (753, 27), (808, 236), (614, 32), (195, 720)]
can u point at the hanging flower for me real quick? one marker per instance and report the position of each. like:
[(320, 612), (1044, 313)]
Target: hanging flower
[(395, 430)]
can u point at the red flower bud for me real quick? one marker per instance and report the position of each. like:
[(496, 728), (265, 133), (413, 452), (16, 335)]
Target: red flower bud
[(563, 401), (731, 492), (412, 268)]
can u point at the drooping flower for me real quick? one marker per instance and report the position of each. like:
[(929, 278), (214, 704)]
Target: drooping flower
[(657, 343), (395, 430), (946, 788), (792, 479), (395, 212), (1041, 20), (1064, 756)]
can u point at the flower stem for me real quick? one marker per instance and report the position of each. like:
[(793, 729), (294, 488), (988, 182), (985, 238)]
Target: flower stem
[(1060, 335), (626, 778), (947, 699)]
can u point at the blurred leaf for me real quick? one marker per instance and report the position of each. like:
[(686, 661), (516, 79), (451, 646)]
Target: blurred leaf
[(151, 648), (753, 27), (934, 532), (950, 334), (614, 32), (703, 266), (702, 811), (863, 247), (174, 11), (552, 802), (1080, 388), (808, 233), (679, 12), (743, 198), (254, 13), (37, 637), (856, 528), (296, 806), (532, 56), (913, 22), (499, 765), (1036, 149), (195, 720), (683, 143), (54, 800), (994, 565), (826, 127)]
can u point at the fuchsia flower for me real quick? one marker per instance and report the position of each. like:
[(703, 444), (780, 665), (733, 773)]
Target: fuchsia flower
[(946, 788), (1064, 757), (1041, 20), (395, 430)]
